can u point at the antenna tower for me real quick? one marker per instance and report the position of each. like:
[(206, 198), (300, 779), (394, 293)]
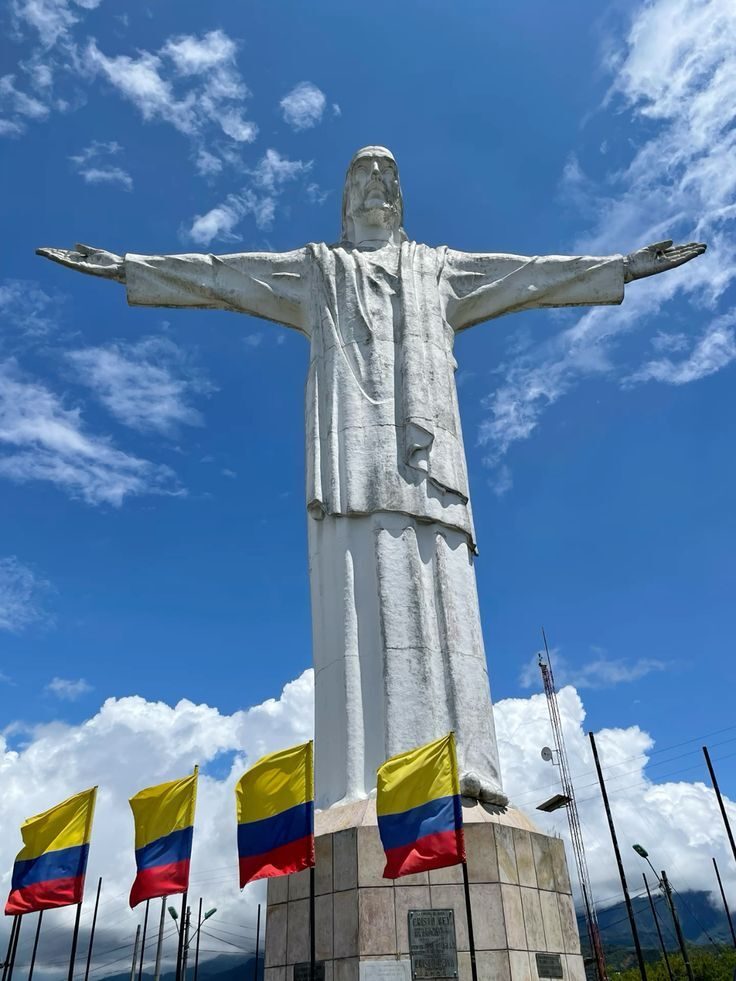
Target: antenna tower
[(576, 836)]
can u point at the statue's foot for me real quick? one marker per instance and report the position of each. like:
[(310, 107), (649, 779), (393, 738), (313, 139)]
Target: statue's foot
[(485, 790)]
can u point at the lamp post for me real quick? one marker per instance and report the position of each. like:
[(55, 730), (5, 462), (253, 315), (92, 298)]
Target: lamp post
[(664, 885)]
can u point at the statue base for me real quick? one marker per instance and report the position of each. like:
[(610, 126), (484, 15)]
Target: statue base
[(520, 897)]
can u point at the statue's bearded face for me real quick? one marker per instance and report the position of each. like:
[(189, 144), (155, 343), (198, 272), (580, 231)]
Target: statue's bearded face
[(374, 195)]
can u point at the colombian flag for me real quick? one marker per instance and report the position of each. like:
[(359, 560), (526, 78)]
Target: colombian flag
[(49, 870), (164, 824), (275, 807), (420, 818)]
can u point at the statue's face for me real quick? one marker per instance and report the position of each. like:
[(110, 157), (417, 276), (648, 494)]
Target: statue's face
[(373, 189)]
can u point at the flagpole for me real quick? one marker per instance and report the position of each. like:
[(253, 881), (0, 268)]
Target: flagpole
[(15, 947), (185, 952), (143, 942), (92, 931), (196, 951), (180, 946), (312, 944), (258, 937), (11, 938), (75, 940), (35, 944), (469, 915), (135, 952), (159, 945)]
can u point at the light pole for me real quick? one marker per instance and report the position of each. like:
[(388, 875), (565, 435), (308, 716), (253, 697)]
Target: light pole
[(188, 941), (664, 885)]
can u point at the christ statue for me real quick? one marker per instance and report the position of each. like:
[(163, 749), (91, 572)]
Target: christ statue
[(397, 641)]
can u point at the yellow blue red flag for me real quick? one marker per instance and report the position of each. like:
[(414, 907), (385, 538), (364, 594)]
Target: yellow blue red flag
[(275, 808), (420, 818), (164, 827), (50, 868)]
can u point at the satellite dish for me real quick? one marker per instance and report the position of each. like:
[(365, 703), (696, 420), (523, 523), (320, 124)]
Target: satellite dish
[(546, 754)]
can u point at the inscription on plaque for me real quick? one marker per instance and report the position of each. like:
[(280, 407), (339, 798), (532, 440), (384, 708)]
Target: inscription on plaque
[(432, 944), (549, 966), (302, 971)]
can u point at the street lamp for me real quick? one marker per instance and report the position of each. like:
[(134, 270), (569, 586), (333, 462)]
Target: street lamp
[(664, 885)]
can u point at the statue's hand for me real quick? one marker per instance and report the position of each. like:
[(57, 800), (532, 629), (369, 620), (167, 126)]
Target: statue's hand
[(83, 258), (657, 258)]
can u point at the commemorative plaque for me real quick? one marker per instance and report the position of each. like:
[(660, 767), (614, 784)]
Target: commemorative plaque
[(432, 944), (549, 966)]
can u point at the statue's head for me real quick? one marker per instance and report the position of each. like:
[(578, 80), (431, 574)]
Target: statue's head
[(372, 193)]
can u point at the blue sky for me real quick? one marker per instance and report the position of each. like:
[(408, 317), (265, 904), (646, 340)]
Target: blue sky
[(151, 461)]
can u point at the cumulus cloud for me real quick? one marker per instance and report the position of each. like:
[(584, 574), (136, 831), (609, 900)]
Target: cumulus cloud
[(94, 166), (303, 106), (151, 742), (131, 743), (68, 690), (42, 439), (673, 71), (21, 596), (146, 385)]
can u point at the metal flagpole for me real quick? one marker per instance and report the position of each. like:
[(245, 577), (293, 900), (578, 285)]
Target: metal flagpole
[(185, 951), (312, 940), (659, 931), (75, 940), (725, 904), (92, 931), (143, 942), (134, 962), (622, 874), (258, 937), (469, 915), (159, 945), (15, 947), (196, 949), (678, 929), (11, 938), (39, 921), (720, 800), (180, 945)]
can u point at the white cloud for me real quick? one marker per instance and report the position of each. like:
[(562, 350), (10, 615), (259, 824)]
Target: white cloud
[(42, 439), (303, 106), (714, 350), (598, 672), (273, 170), (145, 385), (93, 166), (207, 164), (151, 742), (50, 19), (21, 595), (68, 690), (26, 309), (191, 82), (269, 176), (20, 102), (680, 182), (131, 743)]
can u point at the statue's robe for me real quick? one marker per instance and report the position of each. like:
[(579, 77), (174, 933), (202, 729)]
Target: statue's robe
[(397, 641)]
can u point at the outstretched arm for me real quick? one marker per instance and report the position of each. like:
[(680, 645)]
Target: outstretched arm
[(271, 285), (479, 287)]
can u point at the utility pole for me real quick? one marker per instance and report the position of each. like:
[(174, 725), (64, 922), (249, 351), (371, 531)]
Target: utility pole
[(725, 904), (720, 800), (678, 929), (622, 874), (659, 931)]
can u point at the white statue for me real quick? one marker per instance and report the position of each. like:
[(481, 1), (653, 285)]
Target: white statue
[(397, 640)]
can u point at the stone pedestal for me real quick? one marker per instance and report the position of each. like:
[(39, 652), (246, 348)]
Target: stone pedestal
[(520, 895)]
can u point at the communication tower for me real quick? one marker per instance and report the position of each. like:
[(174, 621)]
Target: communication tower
[(567, 798)]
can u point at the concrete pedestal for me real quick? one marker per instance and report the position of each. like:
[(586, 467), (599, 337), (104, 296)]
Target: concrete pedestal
[(520, 895)]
